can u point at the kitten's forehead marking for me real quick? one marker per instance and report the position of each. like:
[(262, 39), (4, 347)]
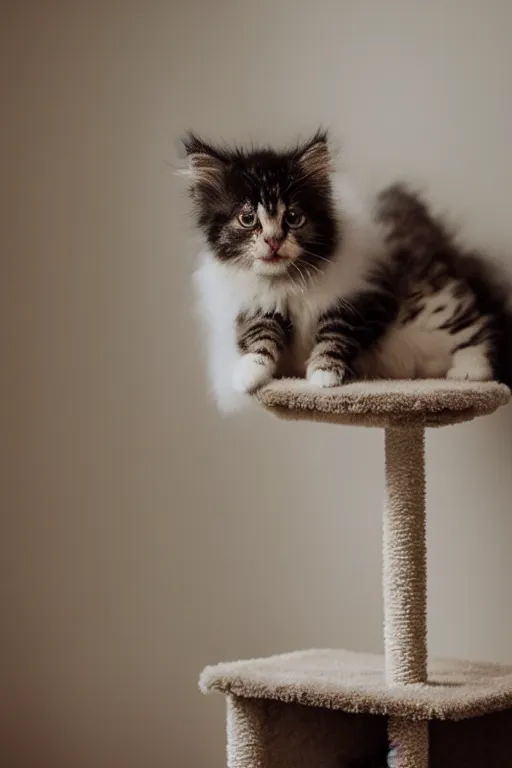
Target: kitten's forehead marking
[(270, 193), (271, 222)]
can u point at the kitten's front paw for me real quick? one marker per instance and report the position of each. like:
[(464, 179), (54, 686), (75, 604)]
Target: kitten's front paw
[(326, 377), (251, 372), (470, 364), (460, 373)]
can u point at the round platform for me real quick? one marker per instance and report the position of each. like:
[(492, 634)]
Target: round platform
[(419, 402)]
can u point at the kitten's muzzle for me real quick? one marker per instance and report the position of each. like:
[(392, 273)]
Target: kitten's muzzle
[(274, 244), (272, 256)]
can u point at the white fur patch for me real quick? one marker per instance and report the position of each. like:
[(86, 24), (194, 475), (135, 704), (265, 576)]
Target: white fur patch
[(271, 225), (324, 378), (252, 371), (420, 348), (270, 268), (471, 363)]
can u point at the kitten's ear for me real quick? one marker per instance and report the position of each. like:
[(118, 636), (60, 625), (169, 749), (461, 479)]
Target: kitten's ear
[(315, 157), (206, 165)]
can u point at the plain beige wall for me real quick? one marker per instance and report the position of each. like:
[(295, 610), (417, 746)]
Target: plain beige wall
[(143, 536)]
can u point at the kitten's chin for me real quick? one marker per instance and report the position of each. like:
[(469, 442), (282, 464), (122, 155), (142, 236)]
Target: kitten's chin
[(271, 268)]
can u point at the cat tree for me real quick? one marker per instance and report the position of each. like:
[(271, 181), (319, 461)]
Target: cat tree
[(333, 708)]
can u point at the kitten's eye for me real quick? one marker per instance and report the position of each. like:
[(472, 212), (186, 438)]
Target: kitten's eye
[(294, 219), (247, 218)]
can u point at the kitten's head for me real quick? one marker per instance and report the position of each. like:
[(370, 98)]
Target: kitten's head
[(263, 210)]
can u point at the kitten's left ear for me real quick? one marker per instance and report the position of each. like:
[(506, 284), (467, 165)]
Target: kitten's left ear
[(206, 165), (315, 157)]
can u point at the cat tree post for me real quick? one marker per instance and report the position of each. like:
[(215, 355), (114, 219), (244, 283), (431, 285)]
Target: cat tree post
[(338, 709), (405, 583)]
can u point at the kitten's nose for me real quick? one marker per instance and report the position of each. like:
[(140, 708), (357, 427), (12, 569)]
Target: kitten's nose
[(274, 243)]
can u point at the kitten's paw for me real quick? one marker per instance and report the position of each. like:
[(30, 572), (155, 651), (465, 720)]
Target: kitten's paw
[(325, 377), (462, 373), (470, 364), (251, 372)]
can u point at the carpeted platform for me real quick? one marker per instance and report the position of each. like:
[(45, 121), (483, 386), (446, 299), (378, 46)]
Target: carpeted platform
[(355, 682), (429, 403)]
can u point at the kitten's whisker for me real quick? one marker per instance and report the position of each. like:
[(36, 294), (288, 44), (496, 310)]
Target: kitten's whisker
[(296, 285), (308, 267), (313, 266), (301, 275), (348, 305), (318, 241), (317, 256)]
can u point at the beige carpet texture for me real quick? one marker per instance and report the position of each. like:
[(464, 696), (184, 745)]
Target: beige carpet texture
[(395, 699), (356, 683), (428, 403)]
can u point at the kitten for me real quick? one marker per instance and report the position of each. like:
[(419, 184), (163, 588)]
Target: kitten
[(300, 278)]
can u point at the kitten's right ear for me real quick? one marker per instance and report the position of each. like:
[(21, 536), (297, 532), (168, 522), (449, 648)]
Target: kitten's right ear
[(314, 156), (206, 165)]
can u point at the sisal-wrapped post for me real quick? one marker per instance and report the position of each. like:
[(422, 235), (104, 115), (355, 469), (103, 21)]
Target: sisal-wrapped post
[(405, 584)]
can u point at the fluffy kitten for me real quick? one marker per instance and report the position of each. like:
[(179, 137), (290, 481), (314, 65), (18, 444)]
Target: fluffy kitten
[(299, 278)]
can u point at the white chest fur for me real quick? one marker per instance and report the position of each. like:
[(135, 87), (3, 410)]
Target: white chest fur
[(225, 291)]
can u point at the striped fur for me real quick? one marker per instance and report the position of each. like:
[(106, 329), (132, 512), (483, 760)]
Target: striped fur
[(266, 334), (347, 329), (262, 340)]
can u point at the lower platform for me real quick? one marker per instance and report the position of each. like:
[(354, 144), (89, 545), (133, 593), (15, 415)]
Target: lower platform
[(333, 709), (355, 683), (272, 734)]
